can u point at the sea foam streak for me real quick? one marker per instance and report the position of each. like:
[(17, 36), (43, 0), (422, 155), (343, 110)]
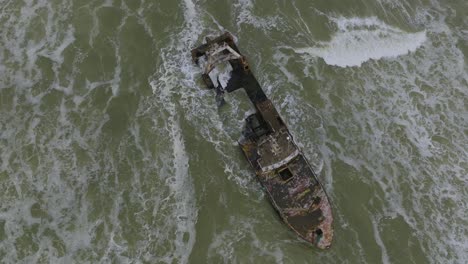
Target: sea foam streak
[(165, 84), (361, 39)]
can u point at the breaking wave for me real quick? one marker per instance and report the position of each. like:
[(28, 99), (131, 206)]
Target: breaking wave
[(361, 39)]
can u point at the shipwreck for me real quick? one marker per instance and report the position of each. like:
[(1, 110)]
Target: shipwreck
[(281, 168)]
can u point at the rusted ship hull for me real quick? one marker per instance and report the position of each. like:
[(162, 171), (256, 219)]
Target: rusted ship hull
[(280, 166)]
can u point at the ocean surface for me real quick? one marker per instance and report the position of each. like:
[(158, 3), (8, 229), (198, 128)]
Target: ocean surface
[(112, 151)]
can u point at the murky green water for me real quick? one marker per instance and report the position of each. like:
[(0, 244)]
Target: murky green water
[(111, 151)]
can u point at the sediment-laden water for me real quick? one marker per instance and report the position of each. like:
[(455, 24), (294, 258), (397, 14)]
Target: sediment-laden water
[(112, 151)]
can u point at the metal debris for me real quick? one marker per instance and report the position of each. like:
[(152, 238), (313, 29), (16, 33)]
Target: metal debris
[(280, 166)]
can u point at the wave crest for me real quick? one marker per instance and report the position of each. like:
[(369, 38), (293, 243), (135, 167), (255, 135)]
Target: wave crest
[(361, 39)]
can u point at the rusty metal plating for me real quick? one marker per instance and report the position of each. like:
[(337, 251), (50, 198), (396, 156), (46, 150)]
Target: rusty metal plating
[(280, 166)]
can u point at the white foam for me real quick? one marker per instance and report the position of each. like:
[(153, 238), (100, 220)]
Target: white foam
[(57, 54), (281, 60), (227, 243), (390, 134), (361, 39), (57, 182), (165, 84), (378, 240), (246, 16)]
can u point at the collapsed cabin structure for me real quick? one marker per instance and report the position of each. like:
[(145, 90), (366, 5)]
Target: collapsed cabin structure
[(291, 184)]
